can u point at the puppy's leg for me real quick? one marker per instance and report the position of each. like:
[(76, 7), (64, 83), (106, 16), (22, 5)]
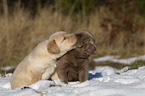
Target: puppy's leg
[(83, 75), (47, 73), (19, 82), (62, 74), (54, 76)]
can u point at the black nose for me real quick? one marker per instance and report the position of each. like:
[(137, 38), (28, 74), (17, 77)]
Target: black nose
[(94, 48)]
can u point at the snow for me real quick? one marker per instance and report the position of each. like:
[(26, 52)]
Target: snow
[(115, 59), (102, 81)]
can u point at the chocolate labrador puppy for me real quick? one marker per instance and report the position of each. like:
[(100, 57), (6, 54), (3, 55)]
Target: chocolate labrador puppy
[(73, 66)]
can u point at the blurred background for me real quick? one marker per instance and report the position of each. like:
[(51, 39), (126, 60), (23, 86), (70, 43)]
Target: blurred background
[(117, 25)]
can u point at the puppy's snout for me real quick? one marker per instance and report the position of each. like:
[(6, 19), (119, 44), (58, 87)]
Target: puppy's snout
[(94, 49)]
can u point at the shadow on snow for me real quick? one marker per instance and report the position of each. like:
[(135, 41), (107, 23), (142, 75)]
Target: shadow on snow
[(91, 76)]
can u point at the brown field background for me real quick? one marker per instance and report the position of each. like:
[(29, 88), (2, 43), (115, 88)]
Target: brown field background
[(20, 32)]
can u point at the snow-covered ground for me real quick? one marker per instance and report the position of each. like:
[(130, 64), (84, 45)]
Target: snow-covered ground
[(115, 59), (103, 81)]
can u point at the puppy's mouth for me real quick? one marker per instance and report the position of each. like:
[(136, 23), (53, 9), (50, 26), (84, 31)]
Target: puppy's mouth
[(91, 52), (86, 54)]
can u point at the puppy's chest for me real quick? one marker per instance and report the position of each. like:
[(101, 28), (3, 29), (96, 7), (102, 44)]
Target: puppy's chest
[(74, 66), (77, 65)]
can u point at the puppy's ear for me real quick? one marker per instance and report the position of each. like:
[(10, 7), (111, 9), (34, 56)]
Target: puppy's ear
[(52, 47)]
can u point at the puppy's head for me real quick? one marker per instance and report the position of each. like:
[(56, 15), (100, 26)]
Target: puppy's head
[(61, 42), (85, 43)]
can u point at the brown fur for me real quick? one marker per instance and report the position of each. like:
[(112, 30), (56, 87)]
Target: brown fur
[(74, 65)]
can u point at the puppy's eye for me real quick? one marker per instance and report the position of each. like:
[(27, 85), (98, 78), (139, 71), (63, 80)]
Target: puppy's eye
[(86, 41), (64, 38)]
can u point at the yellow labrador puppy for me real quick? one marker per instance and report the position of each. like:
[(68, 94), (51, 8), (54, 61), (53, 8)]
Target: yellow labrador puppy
[(41, 62)]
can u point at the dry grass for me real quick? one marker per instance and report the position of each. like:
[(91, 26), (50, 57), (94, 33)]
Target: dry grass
[(20, 34)]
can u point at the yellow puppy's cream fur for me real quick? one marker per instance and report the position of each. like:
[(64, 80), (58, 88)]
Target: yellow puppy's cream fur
[(41, 62)]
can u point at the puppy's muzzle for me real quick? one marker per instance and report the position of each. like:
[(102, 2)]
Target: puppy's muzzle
[(94, 49)]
